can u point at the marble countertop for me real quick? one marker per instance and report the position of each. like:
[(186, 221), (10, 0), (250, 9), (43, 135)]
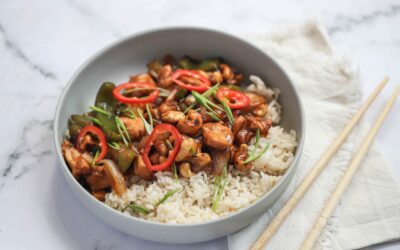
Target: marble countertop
[(43, 42)]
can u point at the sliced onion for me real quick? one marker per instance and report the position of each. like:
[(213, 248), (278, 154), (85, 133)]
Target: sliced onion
[(116, 178), (172, 94), (220, 159)]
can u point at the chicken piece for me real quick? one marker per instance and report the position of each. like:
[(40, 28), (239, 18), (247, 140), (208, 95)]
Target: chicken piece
[(241, 131), (238, 124), (161, 159), (86, 142), (217, 136), (161, 147), (141, 170), (244, 136), (142, 142), (255, 123), (200, 161), (79, 163), (204, 116), (191, 124), (191, 80), (154, 158), (168, 106), (100, 195), (258, 105), (172, 116), (184, 170), (98, 180), (233, 149), (240, 157), (215, 77), (221, 114), (228, 74), (236, 80), (135, 127), (165, 76), (260, 110), (245, 127), (189, 147), (142, 78)]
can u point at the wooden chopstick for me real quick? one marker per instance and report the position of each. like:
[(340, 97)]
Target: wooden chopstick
[(315, 171), (327, 211)]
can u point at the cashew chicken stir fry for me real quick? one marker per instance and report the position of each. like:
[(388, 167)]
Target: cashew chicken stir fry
[(184, 117)]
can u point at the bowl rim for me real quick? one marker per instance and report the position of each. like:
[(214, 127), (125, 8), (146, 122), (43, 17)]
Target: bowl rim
[(122, 40)]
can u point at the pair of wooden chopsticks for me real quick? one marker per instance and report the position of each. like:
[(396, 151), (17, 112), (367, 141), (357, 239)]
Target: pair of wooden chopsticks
[(320, 165)]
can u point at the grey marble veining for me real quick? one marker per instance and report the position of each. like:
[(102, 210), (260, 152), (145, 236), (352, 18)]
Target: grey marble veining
[(41, 45), (20, 54), (88, 13), (347, 23)]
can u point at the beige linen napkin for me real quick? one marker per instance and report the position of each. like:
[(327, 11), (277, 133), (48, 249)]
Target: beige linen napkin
[(369, 212)]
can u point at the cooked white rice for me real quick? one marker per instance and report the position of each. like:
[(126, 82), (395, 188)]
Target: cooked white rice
[(192, 204)]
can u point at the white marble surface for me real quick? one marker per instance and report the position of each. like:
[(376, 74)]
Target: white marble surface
[(43, 42)]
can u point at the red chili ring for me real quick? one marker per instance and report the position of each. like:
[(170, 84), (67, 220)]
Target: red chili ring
[(135, 100), (183, 72), (100, 136), (171, 156), (234, 99)]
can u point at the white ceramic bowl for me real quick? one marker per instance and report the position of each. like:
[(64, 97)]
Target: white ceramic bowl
[(128, 56)]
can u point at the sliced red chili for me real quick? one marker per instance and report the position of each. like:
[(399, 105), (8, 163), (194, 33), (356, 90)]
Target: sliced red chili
[(100, 136), (234, 99), (159, 130), (204, 82), (133, 99)]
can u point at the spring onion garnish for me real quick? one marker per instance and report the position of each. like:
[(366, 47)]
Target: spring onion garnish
[(166, 196), (174, 169), (257, 139), (95, 157), (175, 172), (138, 209), (147, 126), (122, 131), (228, 112), (97, 121), (219, 186), (129, 112), (205, 103), (114, 145), (211, 91), (100, 110), (254, 156), (192, 151), (213, 115), (149, 113), (206, 94)]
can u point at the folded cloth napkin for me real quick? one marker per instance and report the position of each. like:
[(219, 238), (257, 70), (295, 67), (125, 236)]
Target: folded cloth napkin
[(369, 212)]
